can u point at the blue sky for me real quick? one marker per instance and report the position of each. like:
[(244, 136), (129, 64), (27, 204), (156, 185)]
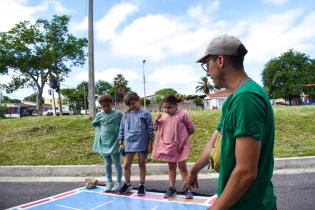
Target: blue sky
[(170, 35)]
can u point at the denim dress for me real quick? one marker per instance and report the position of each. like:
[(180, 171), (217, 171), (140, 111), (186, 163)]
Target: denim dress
[(106, 132), (136, 130)]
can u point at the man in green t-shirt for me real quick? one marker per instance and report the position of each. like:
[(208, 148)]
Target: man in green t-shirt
[(247, 128)]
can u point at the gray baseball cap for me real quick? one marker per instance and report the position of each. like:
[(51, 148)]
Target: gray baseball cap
[(224, 45)]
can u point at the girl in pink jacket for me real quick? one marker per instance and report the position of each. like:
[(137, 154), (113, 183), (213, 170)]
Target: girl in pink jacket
[(172, 142)]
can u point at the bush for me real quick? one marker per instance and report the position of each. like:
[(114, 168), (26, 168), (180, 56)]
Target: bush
[(147, 101), (198, 101), (3, 110)]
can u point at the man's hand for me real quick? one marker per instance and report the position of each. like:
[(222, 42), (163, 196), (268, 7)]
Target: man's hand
[(191, 180)]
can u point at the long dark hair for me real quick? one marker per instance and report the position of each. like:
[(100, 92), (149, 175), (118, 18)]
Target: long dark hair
[(170, 99)]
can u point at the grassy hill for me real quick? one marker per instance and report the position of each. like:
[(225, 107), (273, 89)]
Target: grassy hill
[(68, 139)]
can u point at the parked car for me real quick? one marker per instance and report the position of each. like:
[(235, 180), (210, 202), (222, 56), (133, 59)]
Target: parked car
[(50, 112)]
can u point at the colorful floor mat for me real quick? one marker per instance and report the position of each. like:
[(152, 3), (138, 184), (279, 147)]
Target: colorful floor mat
[(97, 199)]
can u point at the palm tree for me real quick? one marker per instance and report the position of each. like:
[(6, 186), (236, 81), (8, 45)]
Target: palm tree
[(102, 87), (204, 86), (120, 85)]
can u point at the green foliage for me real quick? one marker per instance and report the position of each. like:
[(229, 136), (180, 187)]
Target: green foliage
[(6, 99), (204, 86), (75, 96), (157, 99), (198, 101), (120, 88), (67, 140), (147, 101), (285, 76), (33, 97), (189, 97), (3, 110), (34, 51), (102, 87), (165, 91)]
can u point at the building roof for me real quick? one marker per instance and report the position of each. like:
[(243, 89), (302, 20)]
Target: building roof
[(219, 94)]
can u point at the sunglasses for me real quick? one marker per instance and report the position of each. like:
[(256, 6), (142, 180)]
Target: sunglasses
[(205, 64)]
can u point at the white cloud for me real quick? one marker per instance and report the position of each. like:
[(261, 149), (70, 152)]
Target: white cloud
[(276, 2), (59, 8), (179, 77), (79, 26), (109, 74), (173, 74), (158, 37), (107, 26), (278, 33), (14, 11)]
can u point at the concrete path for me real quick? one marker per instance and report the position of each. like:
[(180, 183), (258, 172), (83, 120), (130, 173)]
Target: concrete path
[(152, 169)]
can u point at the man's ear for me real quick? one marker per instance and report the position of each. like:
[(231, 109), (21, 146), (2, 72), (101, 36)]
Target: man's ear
[(220, 62)]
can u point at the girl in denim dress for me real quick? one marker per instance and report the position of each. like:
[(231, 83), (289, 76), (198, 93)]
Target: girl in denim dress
[(136, 135)]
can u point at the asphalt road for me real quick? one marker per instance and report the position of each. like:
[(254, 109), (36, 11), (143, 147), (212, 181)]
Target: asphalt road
[(294, 191)]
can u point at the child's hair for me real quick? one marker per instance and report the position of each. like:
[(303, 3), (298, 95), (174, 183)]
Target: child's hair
[(170, 99), (130, 97), (105, 98)]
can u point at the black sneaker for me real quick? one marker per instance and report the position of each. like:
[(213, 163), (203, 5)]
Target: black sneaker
[(125, 188), (141, 189), (170, 192)]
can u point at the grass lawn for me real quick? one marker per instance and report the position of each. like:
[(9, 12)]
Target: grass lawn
[(68, 139)]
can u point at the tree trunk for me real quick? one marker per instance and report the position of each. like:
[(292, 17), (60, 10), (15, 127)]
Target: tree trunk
[(39, 103)]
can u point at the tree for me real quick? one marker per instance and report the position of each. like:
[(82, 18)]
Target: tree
[(6, 99), (165, 91), (32, 97), (284, 77), (35, 51), (120, 87), (147, 101), (204, 86), (102, 87), (76, 97), (198, 101)]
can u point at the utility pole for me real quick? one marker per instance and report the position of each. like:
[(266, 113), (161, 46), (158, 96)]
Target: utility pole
[(144, 99), (53, 101), (91, 62), (84, 94), (59, 96)]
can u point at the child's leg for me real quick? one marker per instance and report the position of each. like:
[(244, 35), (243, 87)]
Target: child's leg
[(183, 170), (108, 168), (142, 166), (118, 167), (127, 166), (172, 174)]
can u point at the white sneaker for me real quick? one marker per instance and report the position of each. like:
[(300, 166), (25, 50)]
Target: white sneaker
[(117, 186), (108, 187)]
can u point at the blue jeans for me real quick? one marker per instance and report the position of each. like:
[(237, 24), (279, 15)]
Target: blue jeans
[(108, 167)]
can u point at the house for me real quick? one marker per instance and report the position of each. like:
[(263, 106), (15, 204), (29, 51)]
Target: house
[(216, 100), (18, 109)]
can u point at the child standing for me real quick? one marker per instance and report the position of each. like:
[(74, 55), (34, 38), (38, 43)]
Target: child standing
[(136, 135), (172, 142), (107, 124)]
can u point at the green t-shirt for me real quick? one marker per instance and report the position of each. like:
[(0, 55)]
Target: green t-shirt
[(248, 112)]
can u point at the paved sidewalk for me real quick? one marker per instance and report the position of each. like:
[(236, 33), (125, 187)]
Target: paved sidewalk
[(201, 176), (152, 169)]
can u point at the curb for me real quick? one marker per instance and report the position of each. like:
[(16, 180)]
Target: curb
[(152, 169)]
